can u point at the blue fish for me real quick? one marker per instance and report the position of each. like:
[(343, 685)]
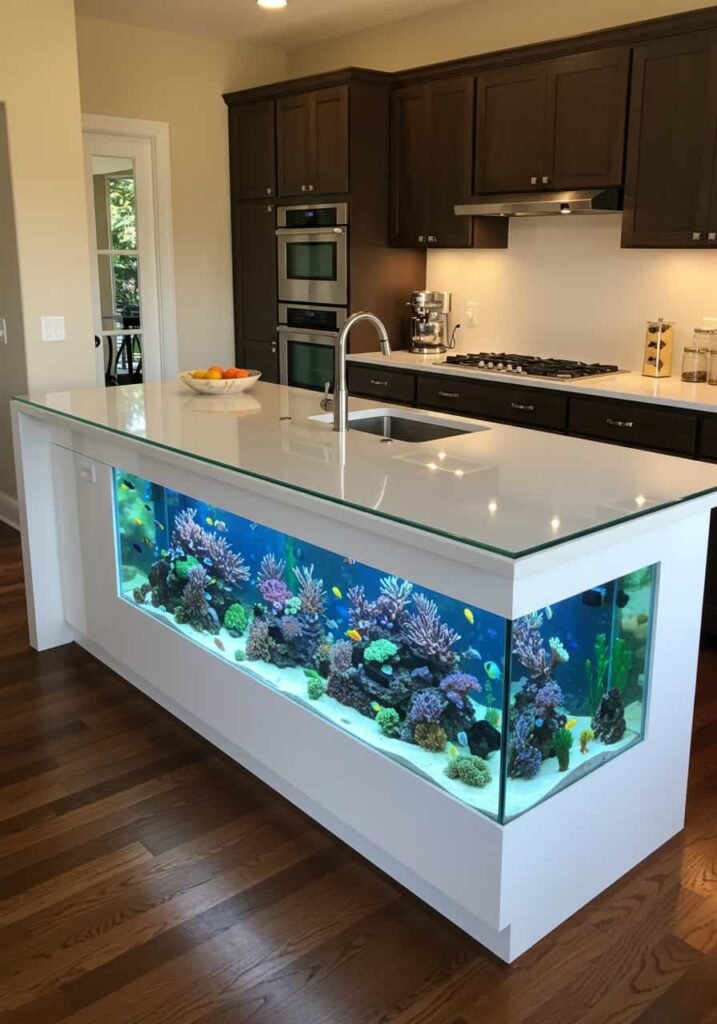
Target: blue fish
[(492, 633), (387, 670), (138, 549), (207, 596), (538, 722), (462, 739), (208, 562)]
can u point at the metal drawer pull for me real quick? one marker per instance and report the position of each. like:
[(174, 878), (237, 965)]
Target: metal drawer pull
[(534, 180), (378, 383), (696, 236), (449, 394), (619, 423), (545, 179), (522, 408), (711, 236)]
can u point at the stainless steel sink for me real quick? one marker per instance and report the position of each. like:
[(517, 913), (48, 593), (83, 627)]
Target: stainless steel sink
[(400, 428)]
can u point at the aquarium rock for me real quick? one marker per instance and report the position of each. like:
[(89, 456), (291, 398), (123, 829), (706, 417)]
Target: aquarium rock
[(483, 738), (608, 723)]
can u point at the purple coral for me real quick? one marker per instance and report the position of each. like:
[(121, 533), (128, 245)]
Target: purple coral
[(384, 616), (193, 539), (290, 629), (548, 697), (341, 659), (270, 568), (274, 592), (529, 649), (426, 707), (311, 591), (362, 612), (197, 609), (525, 759), (428, 636), (457, 686)]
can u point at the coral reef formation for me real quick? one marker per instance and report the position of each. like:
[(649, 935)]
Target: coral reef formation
[(389, 721), (236, 619), (563, 741), (608, 723), (430, 736), (471, 770)]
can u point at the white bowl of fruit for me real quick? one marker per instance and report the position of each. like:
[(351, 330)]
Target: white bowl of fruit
[(216, 380)]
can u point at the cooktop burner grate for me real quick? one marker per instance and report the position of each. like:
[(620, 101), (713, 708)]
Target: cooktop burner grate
[(530, 366)]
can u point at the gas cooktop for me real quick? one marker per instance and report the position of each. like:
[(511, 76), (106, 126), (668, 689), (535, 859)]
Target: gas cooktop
[(529, 366)]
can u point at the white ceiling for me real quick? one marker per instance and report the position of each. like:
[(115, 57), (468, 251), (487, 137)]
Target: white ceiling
[(302, 21)]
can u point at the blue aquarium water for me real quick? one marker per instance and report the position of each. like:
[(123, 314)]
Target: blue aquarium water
[(415, 674)]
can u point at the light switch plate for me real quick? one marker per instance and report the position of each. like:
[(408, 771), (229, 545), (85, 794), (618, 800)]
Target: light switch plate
[(3, 331), (52, 328)]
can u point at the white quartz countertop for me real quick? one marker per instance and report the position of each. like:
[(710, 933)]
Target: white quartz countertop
[(505, 489), (670, 391)]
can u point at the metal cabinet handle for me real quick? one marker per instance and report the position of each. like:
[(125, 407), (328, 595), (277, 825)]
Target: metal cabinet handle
[(270, 209), (421, 238), (534, 180), (432, 238), (311, 188), (545, 179), (711, 236), (378, 383), (628, 424), (304, 188), (449, 394), (696, 236), (522, 408), (269, 191)]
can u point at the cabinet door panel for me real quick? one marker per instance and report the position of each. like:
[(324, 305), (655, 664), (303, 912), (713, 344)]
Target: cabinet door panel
[(293, 129), (450, 163), (585, 120), (671, 143), (409, 183), (255, 269), (330, 140), (510, 126), (252, 150), (261, 356)]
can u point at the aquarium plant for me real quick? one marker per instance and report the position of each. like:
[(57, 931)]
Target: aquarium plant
[(471, 770), (563, 741), (596, 673), (492, 717), (620, 665)]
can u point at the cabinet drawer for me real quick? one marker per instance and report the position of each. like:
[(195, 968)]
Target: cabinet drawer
[(530, 407), (390, 385), (637, 426), (707, 448)]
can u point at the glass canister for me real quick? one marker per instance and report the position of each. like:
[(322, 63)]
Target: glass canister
[(694, 363), (657, 361)]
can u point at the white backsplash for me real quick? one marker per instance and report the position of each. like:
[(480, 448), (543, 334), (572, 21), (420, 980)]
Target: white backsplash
[(564, 287)]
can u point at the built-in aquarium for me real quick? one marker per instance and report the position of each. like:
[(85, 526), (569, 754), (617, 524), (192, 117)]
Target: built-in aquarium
[(500, 714)]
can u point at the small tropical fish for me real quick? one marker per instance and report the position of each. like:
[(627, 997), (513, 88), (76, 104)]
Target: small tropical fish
[(253, 526), (375, 706), (472, 653), (452, 750), (538, 722), (160, 526), (353, 634), (164, 553), (137, 521), (138, 549), (148, 507), (337, 593), (147, 542), (462, 739), (218, 644), (128, 485), (212, 581), (208, 562), (332, 624), (209, 521), (571, 723), (349, 561), (491, 670), (621, 599), (387, 670), (492, 633), (469, 615), (548, 613)]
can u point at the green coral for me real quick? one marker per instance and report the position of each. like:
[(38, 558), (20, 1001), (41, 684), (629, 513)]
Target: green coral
[(563, 741), (380, 651), (620, 665), (236, 618), (430, 736), (388, 721), (471, 770), (183, 566), (597, 673), (240, 654), (315, 684), (492, 717), (293, 606)]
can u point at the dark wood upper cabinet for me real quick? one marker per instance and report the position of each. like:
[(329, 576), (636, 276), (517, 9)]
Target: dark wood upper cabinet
[(252, 149), (432, 168), (553, 124), (313, 142), (509, 129), (586, 112), (670, 182)]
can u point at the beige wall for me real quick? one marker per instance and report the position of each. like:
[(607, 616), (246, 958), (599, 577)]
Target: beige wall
[(40, 92), (178, 78), (476, 26)]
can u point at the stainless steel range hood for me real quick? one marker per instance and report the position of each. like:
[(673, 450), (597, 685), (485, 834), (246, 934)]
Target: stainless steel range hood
[(543, 204)]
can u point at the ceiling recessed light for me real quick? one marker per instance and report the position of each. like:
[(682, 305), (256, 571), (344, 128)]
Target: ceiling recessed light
[(272, 4)]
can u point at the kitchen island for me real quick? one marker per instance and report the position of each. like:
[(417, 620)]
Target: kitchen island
[(471, 657)]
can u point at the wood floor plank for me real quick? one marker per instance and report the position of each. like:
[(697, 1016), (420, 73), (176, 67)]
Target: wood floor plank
[(145, 879)]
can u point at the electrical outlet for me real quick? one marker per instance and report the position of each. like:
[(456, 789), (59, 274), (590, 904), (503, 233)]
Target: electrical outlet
[(3, 331), (471, 314), (52, 328)]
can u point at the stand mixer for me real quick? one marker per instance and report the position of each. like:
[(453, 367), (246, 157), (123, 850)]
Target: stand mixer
[(429, 322)]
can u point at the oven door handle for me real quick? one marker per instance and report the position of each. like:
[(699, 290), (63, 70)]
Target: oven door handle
[(300, 334), (311, 232)]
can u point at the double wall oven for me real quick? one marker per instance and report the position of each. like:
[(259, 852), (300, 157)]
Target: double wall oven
[(312, 259)]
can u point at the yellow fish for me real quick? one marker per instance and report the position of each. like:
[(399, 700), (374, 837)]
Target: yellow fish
[(375, 706), (337, 593), (469, 615), (158, 524), (147, 543), (209, 521), (353, 634), (137, 521), (452, 750), (571, 723)]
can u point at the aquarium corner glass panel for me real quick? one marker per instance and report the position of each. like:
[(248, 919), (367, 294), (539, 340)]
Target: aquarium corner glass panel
[(414, 674), (579, 675)]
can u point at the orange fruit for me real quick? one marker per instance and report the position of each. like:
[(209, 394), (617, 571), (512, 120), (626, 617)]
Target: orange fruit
[(229, 374), (242, 373), (199, 374), (213, 375), (212, 368)]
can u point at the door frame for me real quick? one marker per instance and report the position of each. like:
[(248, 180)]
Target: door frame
[(157, 134)]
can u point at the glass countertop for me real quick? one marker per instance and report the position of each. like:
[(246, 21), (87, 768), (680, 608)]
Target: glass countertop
[(508, 490)]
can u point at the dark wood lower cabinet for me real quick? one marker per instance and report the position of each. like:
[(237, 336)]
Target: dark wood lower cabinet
[(390, 385), (634, 424), (261, 356), (522, 406)]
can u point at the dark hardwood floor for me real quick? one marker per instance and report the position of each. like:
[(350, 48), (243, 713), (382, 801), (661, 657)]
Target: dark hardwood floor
[(146, 879)]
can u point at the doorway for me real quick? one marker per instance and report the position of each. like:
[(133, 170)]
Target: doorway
[(130, 247)]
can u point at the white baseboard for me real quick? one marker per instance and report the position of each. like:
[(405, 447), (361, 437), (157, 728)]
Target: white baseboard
[(9, 511)]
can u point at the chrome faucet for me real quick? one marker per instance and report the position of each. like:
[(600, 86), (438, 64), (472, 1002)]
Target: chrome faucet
[(341, 395)]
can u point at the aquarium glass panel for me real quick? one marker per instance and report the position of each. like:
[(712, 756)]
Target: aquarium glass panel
[(414, 674), (578, 687)]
